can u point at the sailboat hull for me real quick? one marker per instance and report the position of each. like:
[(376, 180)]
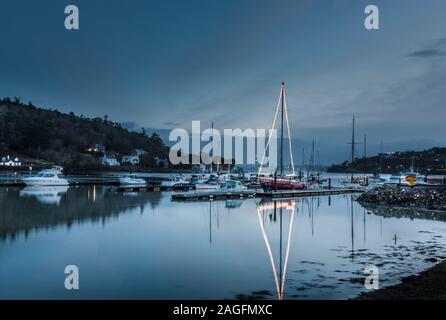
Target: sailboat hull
[(281, 184)]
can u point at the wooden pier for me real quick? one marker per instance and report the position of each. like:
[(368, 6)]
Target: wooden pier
[(213, 195), (152, 188), (216, 195), (307, 193)]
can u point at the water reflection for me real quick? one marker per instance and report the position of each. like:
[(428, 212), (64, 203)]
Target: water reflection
[(33, 208), (270, 209), (45, 194)]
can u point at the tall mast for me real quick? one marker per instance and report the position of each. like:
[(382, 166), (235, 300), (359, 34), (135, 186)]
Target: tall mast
[(353, 144), (353, 140), (281, 130), (365, 154), (381, 159), (212, 158)]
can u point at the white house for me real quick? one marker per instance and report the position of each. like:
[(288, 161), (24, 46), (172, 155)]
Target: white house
[(131, 159), (109, 160), (139, 152), (9, 162)]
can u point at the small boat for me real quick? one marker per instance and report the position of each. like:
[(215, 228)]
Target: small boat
[(176, 181), (406, 179), (210, 184), (47, 177), (207, 186), (233, 186), (132, 180)]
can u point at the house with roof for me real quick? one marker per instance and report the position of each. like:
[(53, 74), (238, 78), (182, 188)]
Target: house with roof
[(131, 160), (109, 160), (8, 161)]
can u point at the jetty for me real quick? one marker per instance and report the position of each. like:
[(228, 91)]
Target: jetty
[(244, 194), (307, 193), (152, 188), (213, 195)]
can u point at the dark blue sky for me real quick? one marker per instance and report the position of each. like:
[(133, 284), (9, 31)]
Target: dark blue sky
[(162, 64)]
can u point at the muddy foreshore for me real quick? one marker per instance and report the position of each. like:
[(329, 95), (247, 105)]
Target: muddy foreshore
[(412, 203), (428, 285), (423, 198)]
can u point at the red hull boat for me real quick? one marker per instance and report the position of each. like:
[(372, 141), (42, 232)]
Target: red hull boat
[(271, 184)]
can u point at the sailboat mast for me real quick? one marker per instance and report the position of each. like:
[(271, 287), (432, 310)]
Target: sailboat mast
[(353, 144), (212, 158), (365, 154), (281, 130), (353, 140), (381, 159)]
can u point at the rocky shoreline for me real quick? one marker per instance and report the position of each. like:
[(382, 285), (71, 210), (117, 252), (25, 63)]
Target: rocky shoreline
[(426, 198)]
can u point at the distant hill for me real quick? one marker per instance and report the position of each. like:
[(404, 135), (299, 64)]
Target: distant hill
[(432, 161), (39, 133)]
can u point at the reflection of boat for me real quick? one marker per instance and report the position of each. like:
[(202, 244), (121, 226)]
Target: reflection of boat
[(45, 194), (132, 180), (233, 204), (47, 177), (277, 207)]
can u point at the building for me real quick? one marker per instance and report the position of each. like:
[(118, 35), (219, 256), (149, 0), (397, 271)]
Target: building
[(98, 148), (139, 152), (134, 158), (109, 160), (131, 159), (10, 162)]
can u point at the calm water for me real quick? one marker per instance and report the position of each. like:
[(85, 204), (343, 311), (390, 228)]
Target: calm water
[(143, 246)]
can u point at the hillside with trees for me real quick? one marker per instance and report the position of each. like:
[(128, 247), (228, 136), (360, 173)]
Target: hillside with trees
[(38, 133), (432, 161)]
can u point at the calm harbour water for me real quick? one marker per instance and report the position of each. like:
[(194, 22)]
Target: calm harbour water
[(144, 246)]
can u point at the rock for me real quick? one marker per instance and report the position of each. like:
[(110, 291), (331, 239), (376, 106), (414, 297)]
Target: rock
[(406, 197)]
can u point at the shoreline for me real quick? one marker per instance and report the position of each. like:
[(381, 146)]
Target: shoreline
[(429, 284)]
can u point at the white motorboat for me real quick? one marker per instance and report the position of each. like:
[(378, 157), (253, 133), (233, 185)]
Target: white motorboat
[(207, 186), (47, 177), (175, 181), (132, 180), (406, 179), (233, 186)]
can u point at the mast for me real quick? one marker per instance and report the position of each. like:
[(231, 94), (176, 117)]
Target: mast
[(381, 159), (281, 131), (365, 154), (353, 144), (212, 158)]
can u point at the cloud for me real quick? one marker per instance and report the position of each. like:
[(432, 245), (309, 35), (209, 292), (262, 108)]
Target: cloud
[(171, 124), (428, 53), (435, 49)]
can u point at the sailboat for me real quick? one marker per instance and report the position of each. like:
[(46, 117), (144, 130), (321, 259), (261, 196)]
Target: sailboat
[(280, 181)]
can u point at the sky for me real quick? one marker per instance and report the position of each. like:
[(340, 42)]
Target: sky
[(162, 64)]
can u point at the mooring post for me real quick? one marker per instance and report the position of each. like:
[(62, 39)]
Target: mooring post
[(329, 183)]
